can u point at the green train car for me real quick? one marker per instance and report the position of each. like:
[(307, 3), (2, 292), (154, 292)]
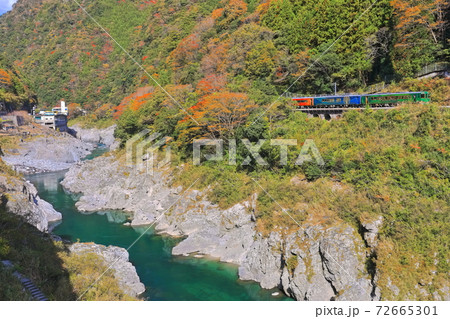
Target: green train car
[(394, 98)]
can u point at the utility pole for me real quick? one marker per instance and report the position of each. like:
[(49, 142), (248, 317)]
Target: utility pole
[(335, 88)]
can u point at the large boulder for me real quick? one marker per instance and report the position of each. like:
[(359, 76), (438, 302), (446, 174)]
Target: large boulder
[(23, 200), (116, 258)]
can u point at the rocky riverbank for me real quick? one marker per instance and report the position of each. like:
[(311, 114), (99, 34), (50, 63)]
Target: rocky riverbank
[(321, 261), (53, 152), (23, 200), (117, 259), (47, 153)]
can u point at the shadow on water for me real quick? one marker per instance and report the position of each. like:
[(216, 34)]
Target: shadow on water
[(166, 277)]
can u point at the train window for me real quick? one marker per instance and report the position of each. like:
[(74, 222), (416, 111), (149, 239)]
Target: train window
[(423, 95)]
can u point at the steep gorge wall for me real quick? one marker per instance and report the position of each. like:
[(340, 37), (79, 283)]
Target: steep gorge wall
[(318, 262)]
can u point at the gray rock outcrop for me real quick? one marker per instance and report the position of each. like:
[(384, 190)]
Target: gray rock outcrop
[(263, 261), (116, 258), (96, 136), (314, 264), (23, 200), (372, 228)]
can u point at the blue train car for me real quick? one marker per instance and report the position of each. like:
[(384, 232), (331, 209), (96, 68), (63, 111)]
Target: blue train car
[(337, 100), (353, 99)]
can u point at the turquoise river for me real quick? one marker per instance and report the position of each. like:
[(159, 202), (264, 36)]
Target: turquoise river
[(166, 277)]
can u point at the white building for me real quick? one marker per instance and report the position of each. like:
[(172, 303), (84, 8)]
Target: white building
[(61, 109), (56, 119)]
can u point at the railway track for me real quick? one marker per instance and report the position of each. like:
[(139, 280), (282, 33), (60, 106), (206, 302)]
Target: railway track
[(351, 108)]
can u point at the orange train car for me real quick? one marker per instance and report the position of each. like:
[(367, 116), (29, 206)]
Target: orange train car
[(304, 101)]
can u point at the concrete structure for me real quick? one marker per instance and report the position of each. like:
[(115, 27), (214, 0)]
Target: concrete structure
[(56, 119), (45, 119), (60, 122), (7, 125), (434, 69), (11, 122), (16, 120)]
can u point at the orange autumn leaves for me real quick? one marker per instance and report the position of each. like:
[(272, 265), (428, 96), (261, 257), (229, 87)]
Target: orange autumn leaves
[(231, 10), (211, 107), (215, 114), (5, 78), (214, 53), (412, 14), (211, 83), (221, 113), (133, 101), (186, 50)]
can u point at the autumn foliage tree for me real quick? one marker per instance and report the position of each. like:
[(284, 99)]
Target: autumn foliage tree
[(185, 52), (233, 9), (105, 111), (426, 14), (74, 110), (420, 31), (5, 79), (222, 112), (134, 101), (211, 83), (14, 93)]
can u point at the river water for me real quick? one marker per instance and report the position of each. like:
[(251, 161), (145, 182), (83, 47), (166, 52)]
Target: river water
[(166, 277)]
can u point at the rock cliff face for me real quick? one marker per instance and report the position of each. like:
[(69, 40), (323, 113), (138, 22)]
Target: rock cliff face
[(23, 200), (117, 258), (96, 136), (315, 263)]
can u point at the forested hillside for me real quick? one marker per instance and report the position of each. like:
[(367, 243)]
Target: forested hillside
[(14, 92), (255, 47)]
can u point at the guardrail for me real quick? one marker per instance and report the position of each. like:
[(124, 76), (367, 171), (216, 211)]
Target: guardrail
[(434, 67), (374, 88), (377, 87), (291, 95)]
